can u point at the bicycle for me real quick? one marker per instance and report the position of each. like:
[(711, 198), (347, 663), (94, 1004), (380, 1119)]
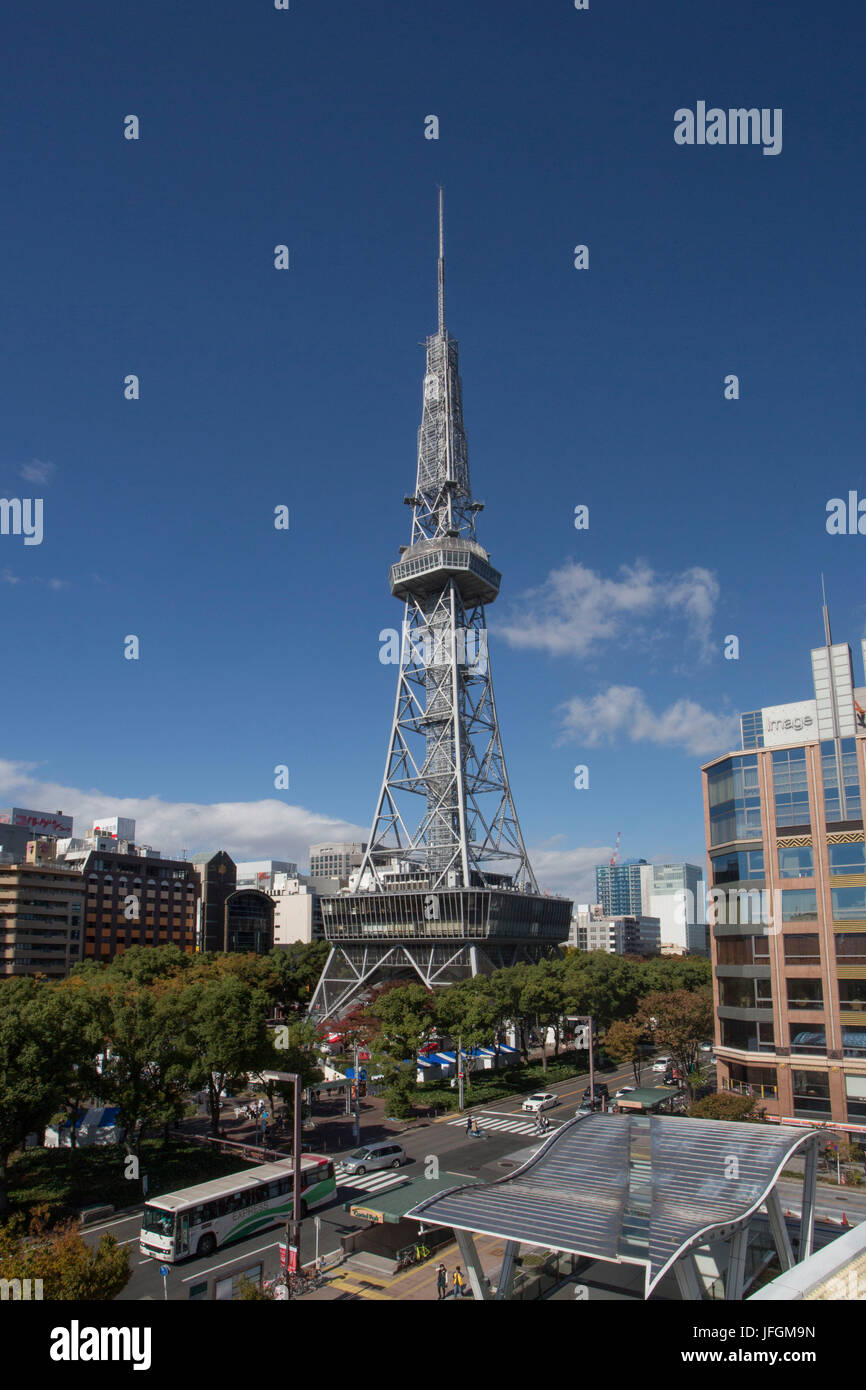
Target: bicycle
[(302, 1282), (412, 1255)]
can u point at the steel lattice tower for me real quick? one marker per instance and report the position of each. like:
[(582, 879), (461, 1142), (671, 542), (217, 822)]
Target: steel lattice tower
[(445, 888)]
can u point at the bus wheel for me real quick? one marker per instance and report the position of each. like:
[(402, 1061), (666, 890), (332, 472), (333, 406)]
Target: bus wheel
[(207, 1245)]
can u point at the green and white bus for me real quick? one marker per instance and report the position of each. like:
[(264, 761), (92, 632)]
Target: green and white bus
[(199, 1220)]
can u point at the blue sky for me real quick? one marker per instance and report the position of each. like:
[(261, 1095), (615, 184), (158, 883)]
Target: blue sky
[(260, 387)]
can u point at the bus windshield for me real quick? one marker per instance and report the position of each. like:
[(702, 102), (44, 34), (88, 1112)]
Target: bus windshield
[(157, 1222)]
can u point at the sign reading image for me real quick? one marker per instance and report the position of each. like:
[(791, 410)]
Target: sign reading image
[(796, 723)]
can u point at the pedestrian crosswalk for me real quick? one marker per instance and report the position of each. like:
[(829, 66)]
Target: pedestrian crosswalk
[(495, 1121), (372, 1182)]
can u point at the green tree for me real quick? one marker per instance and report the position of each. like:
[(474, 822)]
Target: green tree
[(470, 1013), (678, 1021), (723, 1106), (623, 1042), (69, 1268), (226, 1034), (30, 1083), (146, 1064), (543, 999)]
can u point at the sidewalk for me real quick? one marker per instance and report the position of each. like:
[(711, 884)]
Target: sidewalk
[(416, 1284)]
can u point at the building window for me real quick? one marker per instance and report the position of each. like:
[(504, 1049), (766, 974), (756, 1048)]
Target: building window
[(855, 1092), (811, 1038), (849, 904), (802, 949), (811, 1093), (745, 994), (742, 950), (747, 1036), (805, 994), (739, 866), (734, 800), (847, 859), (796, 863), (852, 996), (791, 786), (850, 948), (838, 808), (854, 1042), (799, 904)]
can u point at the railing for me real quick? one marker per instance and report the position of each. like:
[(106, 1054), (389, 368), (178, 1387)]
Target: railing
[(749, 1088)]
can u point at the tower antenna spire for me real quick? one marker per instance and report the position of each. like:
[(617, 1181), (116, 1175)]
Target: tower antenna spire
[(441, 264), (827, 635)]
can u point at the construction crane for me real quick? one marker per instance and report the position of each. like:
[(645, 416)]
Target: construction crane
[(616, 849)]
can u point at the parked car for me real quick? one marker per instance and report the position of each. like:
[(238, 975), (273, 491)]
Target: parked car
[(542, 1100), (369, 1157), (601, 1092), (663, 1064)]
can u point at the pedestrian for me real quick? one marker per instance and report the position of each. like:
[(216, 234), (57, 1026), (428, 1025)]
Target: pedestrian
[(441, 1282), (475, 1130), (468, 1124), (459, 1283)]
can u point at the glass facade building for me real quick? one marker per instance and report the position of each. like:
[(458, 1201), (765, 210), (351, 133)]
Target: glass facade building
[(787, 904)]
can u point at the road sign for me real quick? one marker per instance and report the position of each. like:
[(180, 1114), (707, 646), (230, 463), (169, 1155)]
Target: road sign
[(163, 1269)]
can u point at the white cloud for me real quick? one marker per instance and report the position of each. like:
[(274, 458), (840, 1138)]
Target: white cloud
[(622, 711), (38, 471), (576, 609), (246, 829), (569, 871), (9, 578)]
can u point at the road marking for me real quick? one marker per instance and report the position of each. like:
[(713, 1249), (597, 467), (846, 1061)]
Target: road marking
[(211, 1268), (104, 1225), (373, 1182)]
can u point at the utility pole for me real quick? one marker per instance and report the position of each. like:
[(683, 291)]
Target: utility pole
[(460, 1072), (357, 1107), (293, 1223)]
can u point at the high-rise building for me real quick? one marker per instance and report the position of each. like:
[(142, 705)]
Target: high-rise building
[(41, 910), (618, 888), (338, 859), (787, 899), (674, 893), (445, 887)]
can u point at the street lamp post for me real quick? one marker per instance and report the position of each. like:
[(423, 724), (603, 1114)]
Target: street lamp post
[(293, 1224), (357, 1106)]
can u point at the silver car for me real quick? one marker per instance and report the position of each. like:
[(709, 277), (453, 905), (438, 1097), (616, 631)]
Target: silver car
[(384, 1154)]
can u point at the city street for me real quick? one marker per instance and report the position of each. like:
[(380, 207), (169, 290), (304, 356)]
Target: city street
[(508, 1141)]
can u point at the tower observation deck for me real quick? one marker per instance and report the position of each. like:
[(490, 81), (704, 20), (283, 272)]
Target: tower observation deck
[(445, 888)]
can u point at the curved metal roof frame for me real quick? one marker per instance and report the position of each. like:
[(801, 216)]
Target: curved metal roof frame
[(628, 1189)]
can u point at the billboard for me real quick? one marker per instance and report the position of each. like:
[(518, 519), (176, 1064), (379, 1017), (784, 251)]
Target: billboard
[(115, 828), (795, 723), (44, 822)]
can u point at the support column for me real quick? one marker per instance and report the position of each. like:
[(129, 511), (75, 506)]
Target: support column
[(810, 1180), (689, 1281), (506, 1272), (736, 1274), (779, 1230), (472, 1265)]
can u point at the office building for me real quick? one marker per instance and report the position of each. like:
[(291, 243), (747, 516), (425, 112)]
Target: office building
[(675, 894), (41, 910), (336, 860), (618, 888), (620, 935), (787, 900), (262, 873), (18, 826), (232, 918)]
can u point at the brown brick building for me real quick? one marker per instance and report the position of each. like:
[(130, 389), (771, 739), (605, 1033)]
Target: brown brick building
[(41, 910), (787, 881)]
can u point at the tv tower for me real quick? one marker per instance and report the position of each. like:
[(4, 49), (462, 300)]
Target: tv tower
[(445, 888)]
